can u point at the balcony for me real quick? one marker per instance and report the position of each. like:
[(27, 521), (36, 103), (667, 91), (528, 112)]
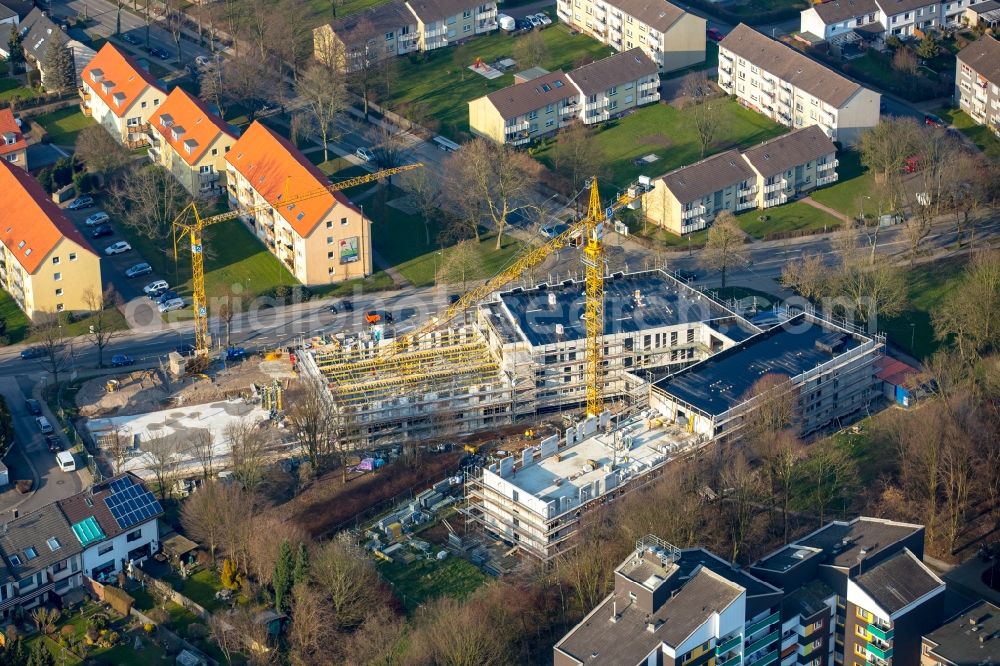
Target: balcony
[(747, 192), (517, 128), (884, 654), (767, 621), (763, 643), (775, 200), (776, 186), (880, 633), (826, 180), (694, 211), (408, 37), (436, 32), (728, 645), (697, 224), (487, 15)]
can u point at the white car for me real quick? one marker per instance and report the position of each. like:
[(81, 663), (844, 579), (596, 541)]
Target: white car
[(96, 219), (543, 18), (117, 248), (66, 461), (156, 287), (533, 20), (44, 425), (203, 62), (172, 304), (364, 154)]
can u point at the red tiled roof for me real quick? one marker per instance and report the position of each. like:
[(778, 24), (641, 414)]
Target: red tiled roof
[(201, 128), (130, 79), (8, 124), (894, 371), (91, 502), (31, 225), (276, 169)]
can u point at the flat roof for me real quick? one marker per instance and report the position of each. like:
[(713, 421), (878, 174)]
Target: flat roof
[(958, 641), (843, 541), (722, 381), (664, 301)]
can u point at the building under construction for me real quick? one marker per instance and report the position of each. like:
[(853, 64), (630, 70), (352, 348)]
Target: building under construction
[(522, 354)]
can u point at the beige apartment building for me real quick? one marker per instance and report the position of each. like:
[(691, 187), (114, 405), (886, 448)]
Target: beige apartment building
[(977, 81), (13, 147), (121, 95), (45, 263), (792, 89), (191, 143), (321, 239), (670, 36), (444, 22), (689, 198), (541, 102)]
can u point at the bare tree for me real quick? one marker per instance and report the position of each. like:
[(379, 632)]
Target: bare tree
[(872, 290), (104, 326), (116, 446), (202, 449), (120, 5), (251, 80), (210, 513), (829, 472), (425, 195), (223, 636), (708, 120), (311, 639), (905, 60), (971, 314), (290, 34), (741, 489), (576, 156), (363, 60), (57, 349), (886, 147), (460, 262), (149, 200), (348, 579), (272, 530), (808, 276), (377, 642), (161, 458), (174, 20), (389, 148), (212, 90), (531, 50), (773, 408), (100, 153), (971, 183), (323, 91), (248, 452), (312, 419), (724, 247)]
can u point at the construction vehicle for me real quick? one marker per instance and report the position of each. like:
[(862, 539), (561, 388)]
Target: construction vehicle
[(195, 232)]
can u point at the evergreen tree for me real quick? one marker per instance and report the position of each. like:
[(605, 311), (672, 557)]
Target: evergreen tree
[(16, 49), (301, 574), (14, 653), (228, 579), (282, 579), (60, 72), (40, 656)]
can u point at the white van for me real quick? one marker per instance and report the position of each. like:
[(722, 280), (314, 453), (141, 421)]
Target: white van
[(66, 461)]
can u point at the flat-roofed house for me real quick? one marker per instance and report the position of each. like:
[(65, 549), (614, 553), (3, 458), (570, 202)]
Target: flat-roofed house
[(321, 239), (191, 142), (121, 95), (521, 113), (45, 263), (792, 164), (793, 89)]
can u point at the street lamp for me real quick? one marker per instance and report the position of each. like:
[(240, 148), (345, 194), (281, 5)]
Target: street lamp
[(913, 329)]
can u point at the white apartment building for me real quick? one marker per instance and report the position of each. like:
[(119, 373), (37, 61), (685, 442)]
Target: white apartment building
[(671, 37), (977, 81), (879, 19), (792, 89)]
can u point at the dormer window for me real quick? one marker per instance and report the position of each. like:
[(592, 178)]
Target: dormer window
[(30, 552), (190, 145), (9, 138), (106, 86), (96, 75), (166, 120), (177, 132), (119, 98)]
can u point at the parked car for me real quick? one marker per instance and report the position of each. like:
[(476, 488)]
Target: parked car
[(172, 304), (506, 23), (66, 461), (34, 407), (347, 305), (156, 288), (523, 24), (97, 219), (543, 18), (162, 54), (129, 38), (377, 317), (80, 203), (364, 154), (102, 231), (203, 62), (44, 425), (32, 352), (138, 270), (533, 20), (715, 34), (553, 230), (168, 295), (236, 354), (121, 361), (117, 248), (54, 442), (933, 121)]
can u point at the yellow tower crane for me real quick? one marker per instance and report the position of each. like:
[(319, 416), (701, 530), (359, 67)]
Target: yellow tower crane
[(194, 231), (589, 229)]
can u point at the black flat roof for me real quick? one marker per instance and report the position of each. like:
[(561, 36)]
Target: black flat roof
[(664, 301), (722, 381), (959, 640)]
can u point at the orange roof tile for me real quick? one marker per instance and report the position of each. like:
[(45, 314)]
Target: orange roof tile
[(32, 224), (274, 167), (184, 121), (9, 125), (130, 80), (894, 371)]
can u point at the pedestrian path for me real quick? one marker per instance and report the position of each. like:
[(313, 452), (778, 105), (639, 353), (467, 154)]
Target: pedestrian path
[(809, 201)]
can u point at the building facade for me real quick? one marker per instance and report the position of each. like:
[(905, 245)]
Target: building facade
[(792, 165), (792, 89), (190, 142), (977, 81), (972, 637), (13, 147), (668, 35), (881, 19), (45, 263), (37, 34), (444, 22), (120, 95), (322, 239)]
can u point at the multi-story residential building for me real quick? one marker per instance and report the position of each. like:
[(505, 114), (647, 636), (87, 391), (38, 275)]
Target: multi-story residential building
[(671, 37), (982, 15), (791, 165), (40, 560), (671, 606), (880, 19), (322, 239), (523, 112), (399, 27), (116, 523), (13, 147), (689, 198), (121, 95), (37, 34), (871, 598), (537, 106), (973, 637), (977, 81), (191, 142), (828, 368), (8, 17), (791, 88), (45, 263)]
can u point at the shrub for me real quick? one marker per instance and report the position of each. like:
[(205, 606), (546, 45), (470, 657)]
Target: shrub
[(197, 631), (159, 616), (68, 630), (204, 559)]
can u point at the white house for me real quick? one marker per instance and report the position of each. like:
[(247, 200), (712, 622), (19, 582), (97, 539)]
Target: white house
[(880, 19)]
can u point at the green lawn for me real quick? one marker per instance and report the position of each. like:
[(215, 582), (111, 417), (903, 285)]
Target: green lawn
[(124, 653), (200, 587), (928, 285), (62, 126), (12, 89), (665, 131), (17, 322), (848, 194), (435, 89), (978, 134), (795, 216), (424, 580)]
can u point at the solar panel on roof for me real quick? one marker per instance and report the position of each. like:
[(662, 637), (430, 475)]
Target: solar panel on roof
[(131, 504)]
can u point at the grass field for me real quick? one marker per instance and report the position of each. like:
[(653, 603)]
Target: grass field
[(848, 194), (928, 285), (795, 216), (17, 322), (12, 88), (424, 580), (978, 134), (200, 587), (64, 125), (436, 88), (667, 132)]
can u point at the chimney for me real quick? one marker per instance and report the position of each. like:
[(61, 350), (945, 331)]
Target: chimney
[(15, 512), (552, 299)]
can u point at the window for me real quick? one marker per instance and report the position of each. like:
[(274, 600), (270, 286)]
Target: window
[(15, 560), (72, 256), (389, 36), (467, 13), (613, 90), (466, 28), (329, 255), (550, 122), (55, 260), (548, 109), (329, 224), (30, 553), (215, 151), (59, 292), (134, 535), (532, 115), (60, 307), (343, 221), (144, 105), (54, 544), (451, 20), (613, 105), (105, 549), (329, 240)]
